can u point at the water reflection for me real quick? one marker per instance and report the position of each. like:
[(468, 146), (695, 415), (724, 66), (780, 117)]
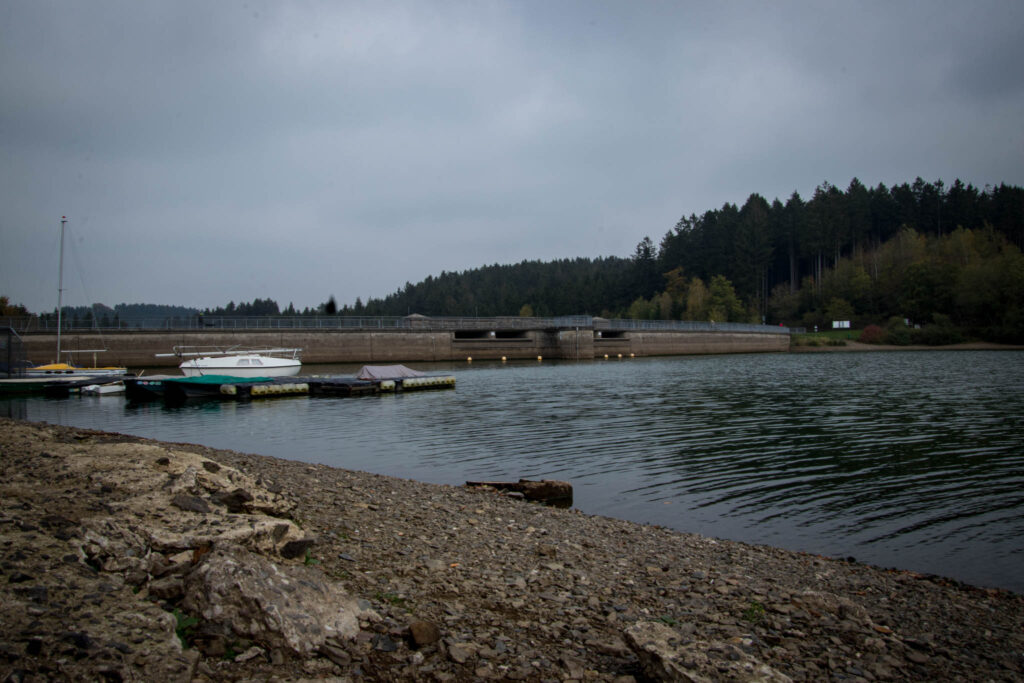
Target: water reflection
[(901, 459)]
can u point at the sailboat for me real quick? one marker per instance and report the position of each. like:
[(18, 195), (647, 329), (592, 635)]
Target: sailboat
[(237, 361), (59, 370)]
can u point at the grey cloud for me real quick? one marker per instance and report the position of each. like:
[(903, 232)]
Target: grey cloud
[(296, 135)]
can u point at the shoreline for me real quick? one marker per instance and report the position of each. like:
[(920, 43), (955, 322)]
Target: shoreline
[(436, 582), (853, 345)]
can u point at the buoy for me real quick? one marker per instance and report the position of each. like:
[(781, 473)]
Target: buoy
[(632, 355), (606, 356), (469, 359), (540, 357), (503, 359), (620, 355)]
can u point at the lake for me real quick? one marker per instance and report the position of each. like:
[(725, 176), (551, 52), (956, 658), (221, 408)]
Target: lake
[(901, 459)]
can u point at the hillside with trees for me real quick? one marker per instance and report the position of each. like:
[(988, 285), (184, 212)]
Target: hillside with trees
[(564, 287), (920, 253)]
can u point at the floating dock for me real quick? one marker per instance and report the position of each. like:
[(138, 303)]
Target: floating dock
[(222, 387), (55, 386)]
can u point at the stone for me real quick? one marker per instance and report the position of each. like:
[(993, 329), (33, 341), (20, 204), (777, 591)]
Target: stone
[(251, 653), (424, 633), (335, 653), (287, 606), (665, 656), (190, 503), (297, 547), (167, 588), (546, 491), (383, 643), (235, 500), (462, 652)]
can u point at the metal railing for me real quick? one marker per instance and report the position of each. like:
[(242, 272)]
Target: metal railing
[(35, 324), (12, 353)]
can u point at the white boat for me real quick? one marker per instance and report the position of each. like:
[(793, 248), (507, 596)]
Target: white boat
[(104, 389), (237, 362)]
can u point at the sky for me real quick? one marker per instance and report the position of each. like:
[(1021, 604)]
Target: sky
[(206, 152)]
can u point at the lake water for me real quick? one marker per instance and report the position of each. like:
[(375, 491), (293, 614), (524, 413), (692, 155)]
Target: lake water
[(906, 459)]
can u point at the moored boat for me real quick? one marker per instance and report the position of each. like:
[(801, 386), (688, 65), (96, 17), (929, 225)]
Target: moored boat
[(69, 370), (148, 388), (237, 362), (104, 388)]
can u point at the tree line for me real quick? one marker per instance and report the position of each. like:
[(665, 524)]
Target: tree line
[(760, 245), (920, 253)]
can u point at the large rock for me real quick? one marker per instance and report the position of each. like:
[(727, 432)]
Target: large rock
[(177, 501), (276, 605), (60, 619), (666, 655)]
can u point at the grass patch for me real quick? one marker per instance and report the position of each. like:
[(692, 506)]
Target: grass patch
[(754, 613), (185, 626), (825, 338), (392, 599)]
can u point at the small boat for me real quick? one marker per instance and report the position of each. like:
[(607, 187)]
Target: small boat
[(68, 370), (104, 389), (237, 362), (62, 387), (55, 385)]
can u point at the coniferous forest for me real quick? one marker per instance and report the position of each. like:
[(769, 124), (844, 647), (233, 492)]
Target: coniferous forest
[(914, 262), (944, 259)]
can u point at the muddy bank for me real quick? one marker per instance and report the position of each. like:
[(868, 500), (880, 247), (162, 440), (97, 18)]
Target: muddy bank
[(130, 559)]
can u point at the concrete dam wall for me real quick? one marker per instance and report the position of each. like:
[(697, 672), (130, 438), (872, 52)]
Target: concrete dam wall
[(138, 349)]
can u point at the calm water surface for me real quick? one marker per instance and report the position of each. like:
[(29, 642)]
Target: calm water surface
[(907, 459)]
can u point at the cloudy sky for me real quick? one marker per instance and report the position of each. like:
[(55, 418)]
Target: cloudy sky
[(207, 152)]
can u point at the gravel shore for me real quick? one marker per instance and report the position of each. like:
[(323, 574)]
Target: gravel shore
[(452, 584)]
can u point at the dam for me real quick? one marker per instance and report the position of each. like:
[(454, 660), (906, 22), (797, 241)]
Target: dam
[(337, 339)]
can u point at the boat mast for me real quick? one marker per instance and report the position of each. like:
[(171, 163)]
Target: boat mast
[(60, 282)]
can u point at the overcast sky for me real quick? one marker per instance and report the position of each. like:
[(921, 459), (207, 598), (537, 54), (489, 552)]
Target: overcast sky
[(207, 152)]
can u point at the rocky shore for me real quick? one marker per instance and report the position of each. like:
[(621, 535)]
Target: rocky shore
[(130, 559)]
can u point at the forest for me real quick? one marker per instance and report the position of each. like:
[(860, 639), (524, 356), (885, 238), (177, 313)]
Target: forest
[(944, 263), (918, 261)]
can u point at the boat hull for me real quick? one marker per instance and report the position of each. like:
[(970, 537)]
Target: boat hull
[(65, 370), (241, 365), (108, 389), (190, 370), (151, 388)]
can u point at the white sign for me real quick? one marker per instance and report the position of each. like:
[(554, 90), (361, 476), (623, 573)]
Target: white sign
[(840, 324)]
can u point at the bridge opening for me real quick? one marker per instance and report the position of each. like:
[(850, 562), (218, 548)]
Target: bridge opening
[(463, 335)]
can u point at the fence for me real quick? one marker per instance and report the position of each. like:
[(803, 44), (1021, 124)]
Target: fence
[(12, 353)]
